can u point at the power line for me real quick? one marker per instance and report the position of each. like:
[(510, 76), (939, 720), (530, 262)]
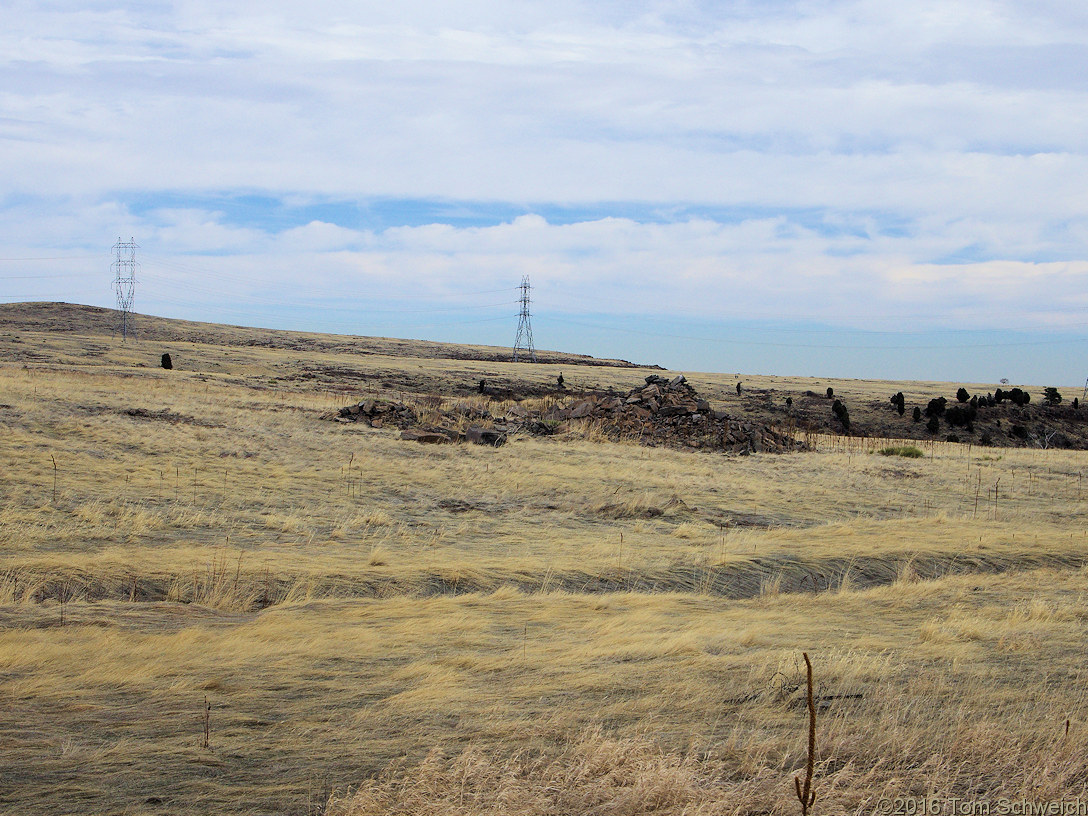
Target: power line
[(52, 295), (53, 258), (257, 314), (124, 283), (41, 277), (523, 343), (338, 291), (852, 347), (319, 303)]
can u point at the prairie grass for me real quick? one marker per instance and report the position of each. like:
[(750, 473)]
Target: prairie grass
[(558, 625), (542, 679)]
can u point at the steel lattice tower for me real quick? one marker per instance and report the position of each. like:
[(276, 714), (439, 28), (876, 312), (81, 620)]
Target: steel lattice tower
[(124, 284), (523, 344)]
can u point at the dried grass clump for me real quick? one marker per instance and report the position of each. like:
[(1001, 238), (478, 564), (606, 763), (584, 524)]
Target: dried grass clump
[(595, 775), (858, 762)]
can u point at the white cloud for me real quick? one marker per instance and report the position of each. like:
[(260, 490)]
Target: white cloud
[(858, 147)]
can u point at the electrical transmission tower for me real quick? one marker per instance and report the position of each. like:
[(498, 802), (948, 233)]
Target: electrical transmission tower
[(523, 345), (124, 283)]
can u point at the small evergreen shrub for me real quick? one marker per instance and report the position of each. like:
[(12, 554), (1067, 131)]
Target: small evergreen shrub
[(1018, 396), (839, 410), (962, 395), (960, 415)]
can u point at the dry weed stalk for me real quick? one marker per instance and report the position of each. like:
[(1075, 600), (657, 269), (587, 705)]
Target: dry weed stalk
[(206, 721), (805, 794)]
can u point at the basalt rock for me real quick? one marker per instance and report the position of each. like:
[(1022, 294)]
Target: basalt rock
[(661, 412), (485, 436), (670, 413), (376, 413)]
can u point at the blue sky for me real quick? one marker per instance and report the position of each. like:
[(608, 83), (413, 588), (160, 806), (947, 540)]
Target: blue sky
[(856, 189)]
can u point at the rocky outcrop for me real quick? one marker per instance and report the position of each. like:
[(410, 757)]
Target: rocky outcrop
[(376, 414), (671, 413), (666, 412)]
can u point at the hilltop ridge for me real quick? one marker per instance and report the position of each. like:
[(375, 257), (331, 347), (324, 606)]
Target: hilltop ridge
[(95, 320)]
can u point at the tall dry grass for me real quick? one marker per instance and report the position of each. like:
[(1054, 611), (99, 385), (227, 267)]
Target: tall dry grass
[(559, 625)]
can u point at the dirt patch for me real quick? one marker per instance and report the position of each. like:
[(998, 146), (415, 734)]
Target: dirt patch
[(463, 506), (166, 415)]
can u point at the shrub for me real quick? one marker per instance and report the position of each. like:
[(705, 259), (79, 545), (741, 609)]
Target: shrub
[(1076, 403), (166, 362), (900, 402), (962, 395), (933, 425), (839, 410), (952, 438), (936, 407), (789, 402), (1019, 431), (1018, 396), (830, 392), (960, 415), (1051, 396), (999, 396), (917, 415), (909, 451)]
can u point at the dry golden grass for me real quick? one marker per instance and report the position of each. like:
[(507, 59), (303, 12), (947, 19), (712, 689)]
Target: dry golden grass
[(560, 625)]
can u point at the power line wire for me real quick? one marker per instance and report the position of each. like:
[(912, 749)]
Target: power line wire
[(54, 258), (42, 277), (852, 347), (317, 303), (176, 266)]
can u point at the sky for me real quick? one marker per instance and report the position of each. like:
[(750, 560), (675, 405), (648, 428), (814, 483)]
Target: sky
[(836, 189)]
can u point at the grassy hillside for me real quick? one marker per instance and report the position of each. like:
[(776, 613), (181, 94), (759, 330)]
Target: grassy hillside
[(92, 320), (562, 624), (55, 334)]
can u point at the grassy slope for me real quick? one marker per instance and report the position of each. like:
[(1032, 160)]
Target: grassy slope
[(351, 599), (348, 365)]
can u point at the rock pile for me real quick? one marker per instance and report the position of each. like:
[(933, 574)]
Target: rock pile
[(671, 413), (376, 414), (379, 413), (662, 412)]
